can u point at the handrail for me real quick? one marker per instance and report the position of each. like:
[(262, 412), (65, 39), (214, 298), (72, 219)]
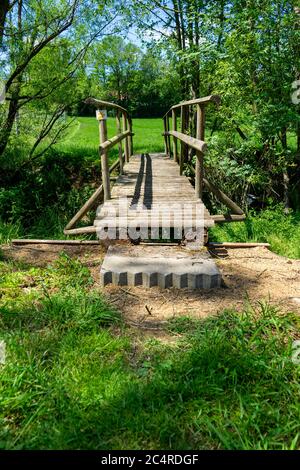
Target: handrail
[(196, 142), (105, 104), (200, 146), (203, 101), (123, 120), (105, 146)]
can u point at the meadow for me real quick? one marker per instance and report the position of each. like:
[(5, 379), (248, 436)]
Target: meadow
[(83, 136)]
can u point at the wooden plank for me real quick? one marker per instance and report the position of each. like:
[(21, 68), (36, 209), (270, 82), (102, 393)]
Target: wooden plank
[(162, 189), (237, 245), (23, 241)]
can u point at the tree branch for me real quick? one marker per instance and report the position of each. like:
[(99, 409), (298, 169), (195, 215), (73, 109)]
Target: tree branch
[(21, 67)]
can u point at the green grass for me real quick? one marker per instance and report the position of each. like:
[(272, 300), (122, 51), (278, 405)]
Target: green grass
[(83, 138), (77, 378), (269, 226)]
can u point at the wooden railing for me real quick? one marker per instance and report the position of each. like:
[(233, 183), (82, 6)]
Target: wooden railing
[(124, 132), (106, 144), (198, 143)]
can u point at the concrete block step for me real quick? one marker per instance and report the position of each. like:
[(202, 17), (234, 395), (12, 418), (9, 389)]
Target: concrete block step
[(159, 266)]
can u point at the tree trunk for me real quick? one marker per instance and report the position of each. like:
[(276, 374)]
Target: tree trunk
[(8, 125), (4, 9), (6, 129), (181, 44)]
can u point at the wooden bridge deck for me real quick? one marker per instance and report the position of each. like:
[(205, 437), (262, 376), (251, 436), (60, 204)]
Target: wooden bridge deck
[(149, 187)]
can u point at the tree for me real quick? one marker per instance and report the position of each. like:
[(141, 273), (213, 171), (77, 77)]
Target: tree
[(32, 37), (115, 65)]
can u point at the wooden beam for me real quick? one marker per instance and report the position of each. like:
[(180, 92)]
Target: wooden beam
[(228, 218), (237, 245), (104, 104), (182, 145), (174, 124), (130, 141), (81, 230), (91, 201), (223, 198), (115, 165), (119, 130), (85, 208), (124, 119), (104, 158), (165, 136), (109, 143), (200, 135), (204, 101), (168, 136), (190, 141), (54, 242)]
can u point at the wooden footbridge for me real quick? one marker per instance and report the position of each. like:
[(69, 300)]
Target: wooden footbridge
[(150, 181), (138, 191)]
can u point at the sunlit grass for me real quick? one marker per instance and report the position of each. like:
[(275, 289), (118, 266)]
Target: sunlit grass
[(83, 136), (77, 378), (272, 226)]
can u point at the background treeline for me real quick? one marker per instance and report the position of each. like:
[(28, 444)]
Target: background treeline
[(146, 56)]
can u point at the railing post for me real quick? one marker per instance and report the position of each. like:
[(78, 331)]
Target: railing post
[(126, 146), (200, 134), (104, 156), (169, 138), (130, 140), (165, 136), (182, 145), (119, 130), (174, 122)]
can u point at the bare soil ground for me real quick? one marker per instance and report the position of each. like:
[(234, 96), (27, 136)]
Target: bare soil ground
[(252, 274)]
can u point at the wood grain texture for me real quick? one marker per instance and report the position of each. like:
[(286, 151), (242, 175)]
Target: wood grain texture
[(153, 194)]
